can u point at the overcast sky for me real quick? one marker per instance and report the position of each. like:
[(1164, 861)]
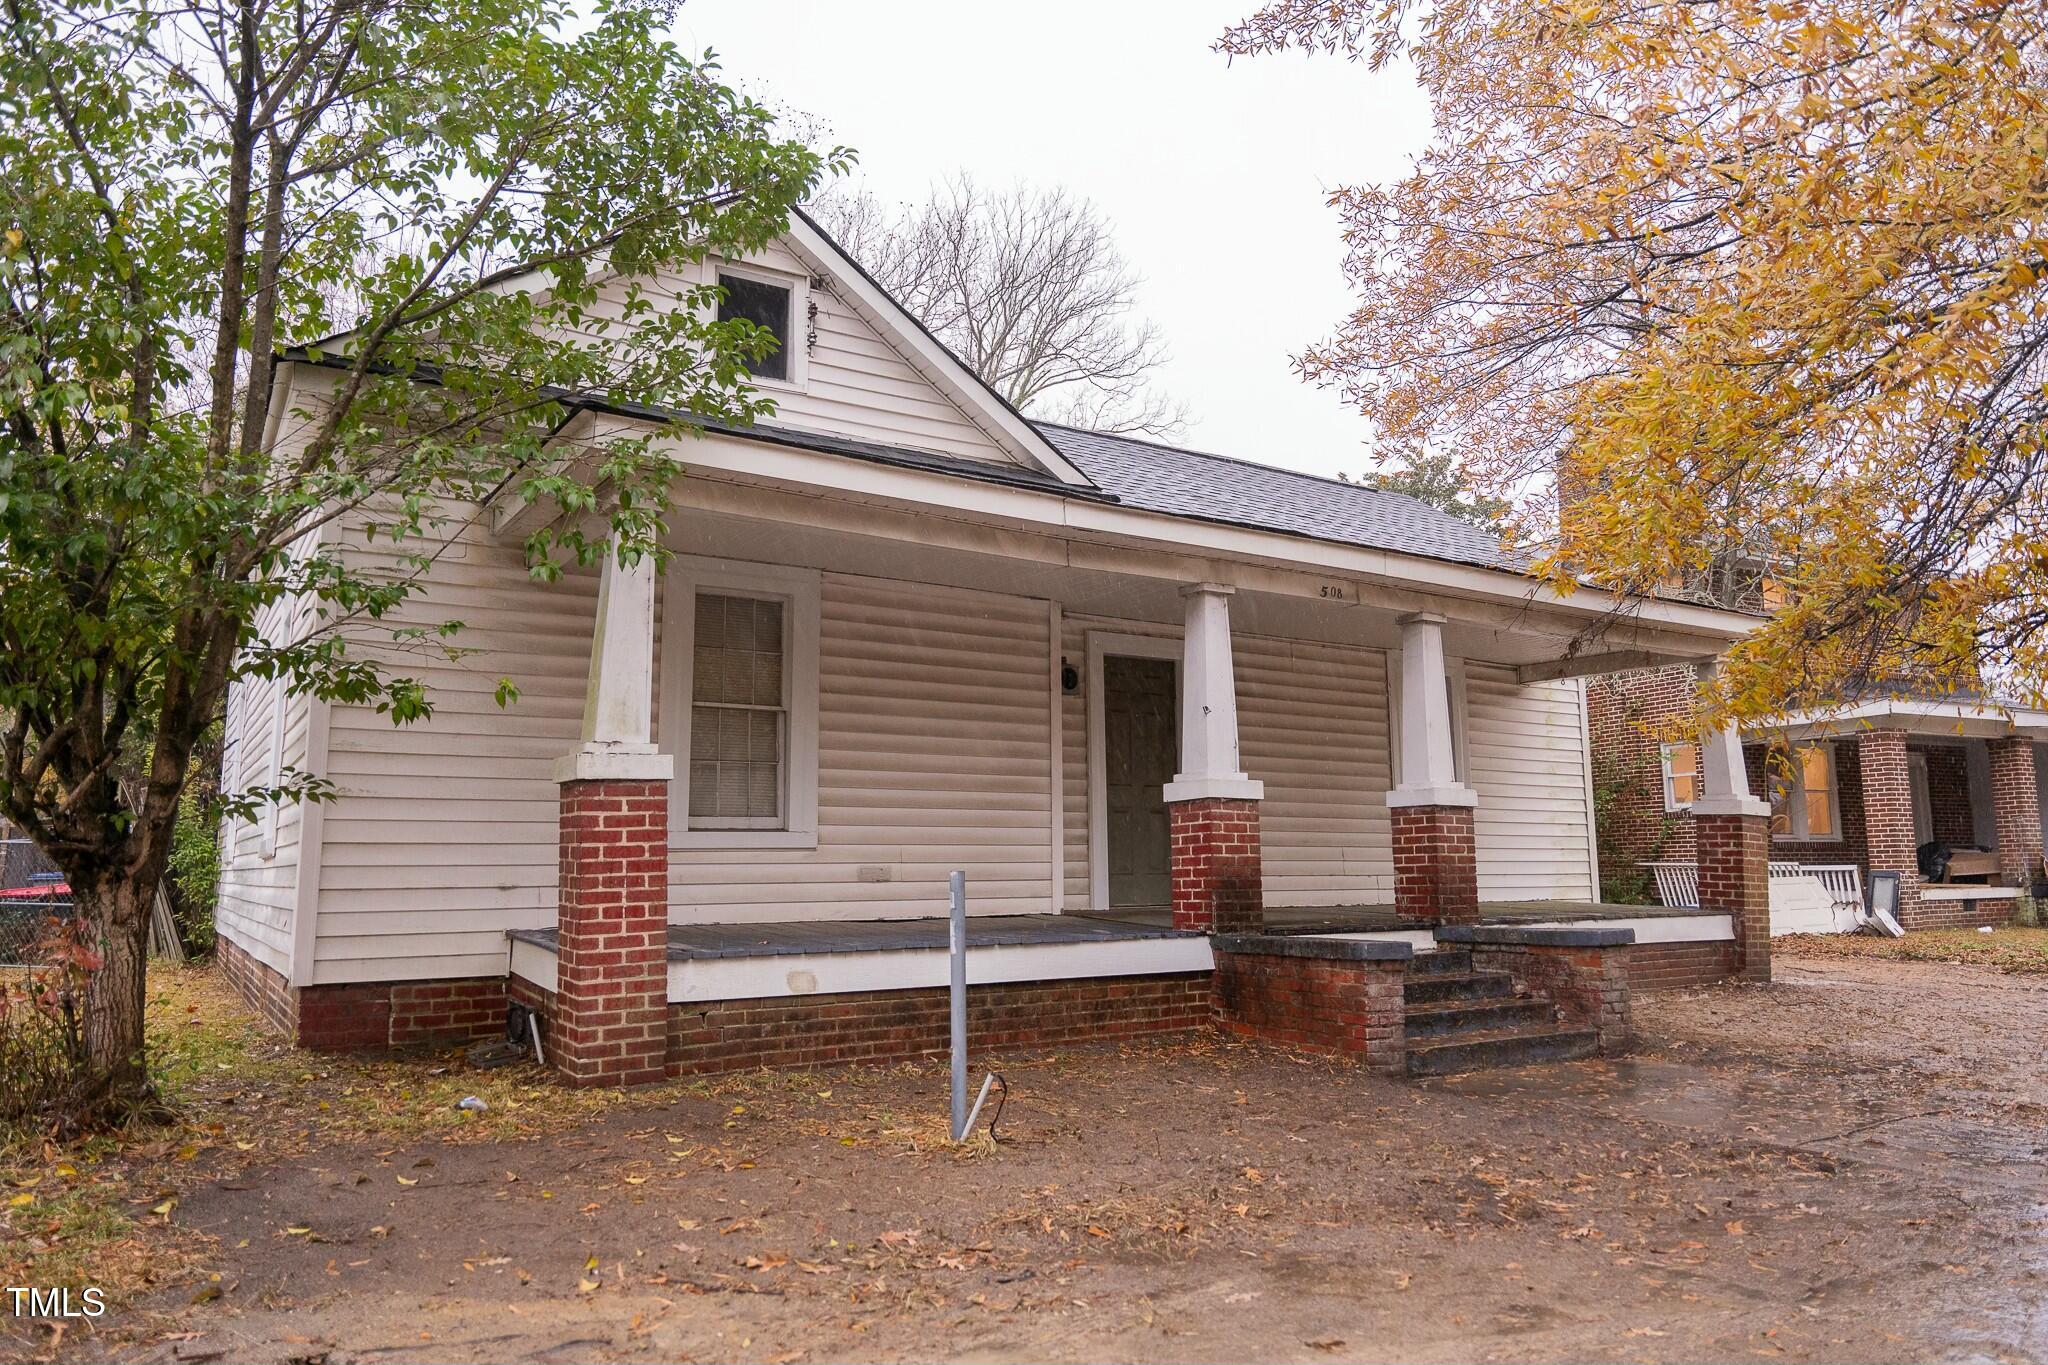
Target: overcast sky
[(1213, 174)]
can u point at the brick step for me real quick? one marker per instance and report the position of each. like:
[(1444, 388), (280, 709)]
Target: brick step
[(1442, 962), (1434, 986), (1511, 1047), (1444, 1018)]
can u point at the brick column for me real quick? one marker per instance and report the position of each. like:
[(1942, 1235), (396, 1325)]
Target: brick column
[(1218, 885), (1436, 864), (610, 1022), (2016, 811), (1436, 857), (1212, 807), (1735, 880), (1888, 815)]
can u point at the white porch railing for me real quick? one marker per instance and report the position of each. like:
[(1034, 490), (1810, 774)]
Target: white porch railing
[(1678, 884), (1844, 881), (1805, 897)]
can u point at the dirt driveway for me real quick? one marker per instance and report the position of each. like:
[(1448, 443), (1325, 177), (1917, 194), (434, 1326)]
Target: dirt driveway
[(1847, 1165)]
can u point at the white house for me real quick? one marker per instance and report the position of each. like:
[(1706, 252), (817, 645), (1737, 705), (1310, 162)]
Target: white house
[(1135, 693)]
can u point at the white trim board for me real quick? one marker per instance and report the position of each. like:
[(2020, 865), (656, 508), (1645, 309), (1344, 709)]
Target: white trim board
[(1654, 928), (1969, 893), (792, 974), (531, 962), (1102, 644)]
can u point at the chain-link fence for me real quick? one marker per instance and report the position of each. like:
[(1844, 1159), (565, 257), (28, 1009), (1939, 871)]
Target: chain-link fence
[(32, 891)]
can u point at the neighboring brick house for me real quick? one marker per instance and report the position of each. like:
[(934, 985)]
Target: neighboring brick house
[(1866, 786)]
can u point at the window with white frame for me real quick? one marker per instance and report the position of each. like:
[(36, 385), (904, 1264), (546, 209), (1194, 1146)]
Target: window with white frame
[(739, 712), (1804, 800), (1681, 776), (775, 303), (739, 704)]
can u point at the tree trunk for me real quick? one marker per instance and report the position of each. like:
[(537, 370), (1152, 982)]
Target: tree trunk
[(113, 912)]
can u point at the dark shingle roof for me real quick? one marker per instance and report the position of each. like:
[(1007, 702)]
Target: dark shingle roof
[(1189, 483)]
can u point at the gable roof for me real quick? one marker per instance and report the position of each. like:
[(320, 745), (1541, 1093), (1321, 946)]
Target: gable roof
[(1220, 488), (932, 358)]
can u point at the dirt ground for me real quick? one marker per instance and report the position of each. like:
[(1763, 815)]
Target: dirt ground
[(1845, 1166)]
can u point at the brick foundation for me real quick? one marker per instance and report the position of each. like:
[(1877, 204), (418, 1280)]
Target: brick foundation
[(1436, 864), (608, 1026), (1734, 868), (1329, 995), (1668, 966), (263, 988), (369, 1016), (890, 1026), (1218, 885)]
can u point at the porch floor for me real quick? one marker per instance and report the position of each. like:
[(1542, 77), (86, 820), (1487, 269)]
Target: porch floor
[(695, 942), (775, 938), (1369, 919)]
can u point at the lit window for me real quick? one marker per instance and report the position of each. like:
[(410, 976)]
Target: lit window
[(1804, 803), (739, 713), (767, 307), (1681, 775)]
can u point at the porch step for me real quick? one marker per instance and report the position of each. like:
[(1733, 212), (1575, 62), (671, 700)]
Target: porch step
[(1441, 962), (1466, 1017), (1428, 987), (1508, 1047)]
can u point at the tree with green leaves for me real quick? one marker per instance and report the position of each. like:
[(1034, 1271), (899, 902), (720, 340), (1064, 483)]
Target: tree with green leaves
[(1435, 478), (466, 212)]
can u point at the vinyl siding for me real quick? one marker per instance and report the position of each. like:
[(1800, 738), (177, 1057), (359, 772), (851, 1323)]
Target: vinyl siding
[(857, 384), (932, 755), (1525, 755), (258, 890), (443, 833), (1312, 725)]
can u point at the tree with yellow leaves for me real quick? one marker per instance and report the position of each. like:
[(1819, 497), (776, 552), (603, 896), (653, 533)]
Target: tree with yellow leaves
[(1760, 284)]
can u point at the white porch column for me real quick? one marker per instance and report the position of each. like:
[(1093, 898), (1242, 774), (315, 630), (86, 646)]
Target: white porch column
[(1429, 773), (618, 700), (606, 1022), (1732, 832), (1724, 773), (1209, 762)]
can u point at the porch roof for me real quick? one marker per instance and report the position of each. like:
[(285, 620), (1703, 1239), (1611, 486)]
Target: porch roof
[(1950, 718)]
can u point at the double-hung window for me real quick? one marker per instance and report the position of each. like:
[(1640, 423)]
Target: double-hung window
[(1804, 802), (739, 712), (739, 704), (1681, 776)]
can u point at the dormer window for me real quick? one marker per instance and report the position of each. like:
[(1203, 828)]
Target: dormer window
[(765, 305)]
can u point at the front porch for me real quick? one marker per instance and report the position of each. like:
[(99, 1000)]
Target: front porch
[(820, 709)]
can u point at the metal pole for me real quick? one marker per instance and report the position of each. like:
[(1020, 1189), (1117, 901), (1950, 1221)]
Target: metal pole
[(958, 884)]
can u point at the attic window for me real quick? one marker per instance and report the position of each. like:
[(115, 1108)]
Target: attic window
[(767, 307)]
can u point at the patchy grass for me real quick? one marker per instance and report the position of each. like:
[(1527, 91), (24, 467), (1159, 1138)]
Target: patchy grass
[(103, 1211), (2021, 951)]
